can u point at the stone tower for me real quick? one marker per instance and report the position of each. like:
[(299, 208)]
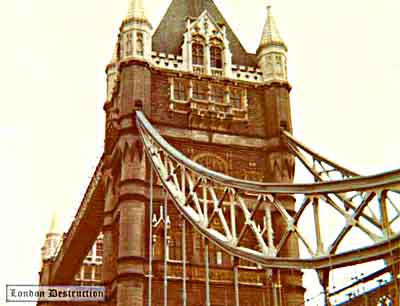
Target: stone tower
[(53, 238), (271, 53), (222, 107), (49, 249)]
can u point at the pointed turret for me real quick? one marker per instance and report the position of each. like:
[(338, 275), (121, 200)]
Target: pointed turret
[(136, 9), (270, 35), (55, 224), (53, 239), (271, 53), (135, 35)]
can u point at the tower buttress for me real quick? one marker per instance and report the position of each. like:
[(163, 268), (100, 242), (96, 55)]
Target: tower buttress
[(271, 53)]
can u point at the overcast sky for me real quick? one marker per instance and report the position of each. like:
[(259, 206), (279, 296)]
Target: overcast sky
[(344, 67)]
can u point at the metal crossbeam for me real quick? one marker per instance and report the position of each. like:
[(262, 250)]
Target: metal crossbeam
[(369, 205)]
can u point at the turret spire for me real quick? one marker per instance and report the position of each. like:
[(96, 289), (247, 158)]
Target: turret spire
[(271, 54), (136, 10), (53, 238), (135, 33), (55, 224), (270, 35)]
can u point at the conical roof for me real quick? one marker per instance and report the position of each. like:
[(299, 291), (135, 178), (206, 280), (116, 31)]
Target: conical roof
[(55, 227), (169, 34), (271, 35), (136, 9)]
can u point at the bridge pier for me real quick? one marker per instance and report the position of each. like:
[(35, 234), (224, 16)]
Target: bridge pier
[(130, 262), (110, 226), (124, 225)]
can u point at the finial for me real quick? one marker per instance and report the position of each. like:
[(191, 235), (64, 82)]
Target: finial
[(136, 9)]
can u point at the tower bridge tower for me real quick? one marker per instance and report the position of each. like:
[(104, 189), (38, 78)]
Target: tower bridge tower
[(221, 106)]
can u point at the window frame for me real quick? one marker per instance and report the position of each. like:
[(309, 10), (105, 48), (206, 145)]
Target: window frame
[(139, 42), (217, 94), (216, 62), (180, 90), (198, 54), (128, 44), (201, 93), (238, 101)]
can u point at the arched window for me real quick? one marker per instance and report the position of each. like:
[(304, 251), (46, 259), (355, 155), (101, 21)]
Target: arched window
[(216, 57), (139, 44), (128, 44), (212, 161), (198, 54)]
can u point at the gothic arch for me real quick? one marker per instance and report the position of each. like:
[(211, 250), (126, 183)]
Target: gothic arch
[(212, 161)]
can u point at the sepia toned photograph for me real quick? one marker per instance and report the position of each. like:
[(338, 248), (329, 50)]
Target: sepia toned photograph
[(200, 153)]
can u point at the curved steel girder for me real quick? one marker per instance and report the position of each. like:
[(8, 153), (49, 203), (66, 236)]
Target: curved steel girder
[(290, 139), (389, 179), (377, 251)]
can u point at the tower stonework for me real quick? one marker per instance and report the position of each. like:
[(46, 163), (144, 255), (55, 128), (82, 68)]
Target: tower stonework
[(222, 107)]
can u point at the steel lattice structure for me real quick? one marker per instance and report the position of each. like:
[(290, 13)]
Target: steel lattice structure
[(176, 231), (212, 203)]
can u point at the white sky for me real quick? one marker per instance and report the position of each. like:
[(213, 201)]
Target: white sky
[(344, 66)]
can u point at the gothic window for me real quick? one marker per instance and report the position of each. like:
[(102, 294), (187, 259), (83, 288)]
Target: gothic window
[(87, 272), (99, 249), (216, 57), (217, 94), (180, 90), (219, 257), (200, 91), (175, 251), (158, 245), (235, 98), (198, 54), (212, 161), (270, 69), (128, 46), (279, 64), (97, 273), (139, 44)]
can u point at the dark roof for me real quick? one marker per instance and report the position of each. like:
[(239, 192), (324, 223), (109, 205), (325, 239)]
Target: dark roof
[(169, 34)]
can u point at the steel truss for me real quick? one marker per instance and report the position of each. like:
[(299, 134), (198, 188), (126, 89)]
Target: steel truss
[(241, 216)]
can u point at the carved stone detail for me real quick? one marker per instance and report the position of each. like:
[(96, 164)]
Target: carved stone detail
[(133, 164), (282, 166), (212, 161)]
